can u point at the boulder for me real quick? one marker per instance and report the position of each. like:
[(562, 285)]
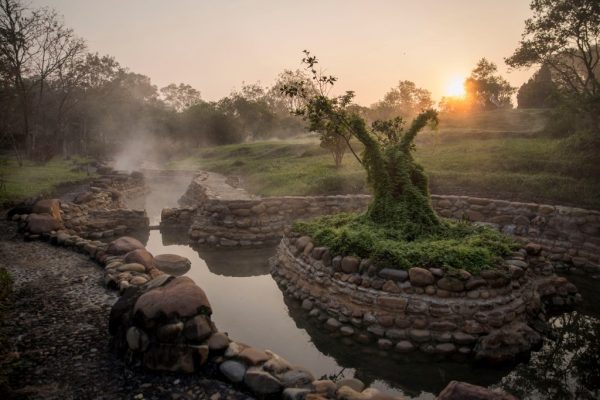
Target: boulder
[(507, 344), (169, 357), (297, 378), (253, 356), (451, 284), (198, 328), (261, 382), (132, 267), (123, 245), (179, 297), (352, 383), (295, 394), (172, 264), (140, 256), (398, 275), (218, 342), (390, 286), (350, 264), (42, 223), (83, 197), (48, 206), (276, 364), (420, 276), (169, 332), (347, 393), (233, 370), (466, 391), (120, 313)]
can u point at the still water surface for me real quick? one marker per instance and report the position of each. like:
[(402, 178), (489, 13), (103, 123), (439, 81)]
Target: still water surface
[(249, 306)]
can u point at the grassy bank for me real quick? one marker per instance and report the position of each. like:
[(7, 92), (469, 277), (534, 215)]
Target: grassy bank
[(513, 167), (502, 154), (33, 179)]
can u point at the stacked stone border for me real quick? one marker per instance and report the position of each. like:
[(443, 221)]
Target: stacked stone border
[(568, 236), (456, 315), (164, 322)]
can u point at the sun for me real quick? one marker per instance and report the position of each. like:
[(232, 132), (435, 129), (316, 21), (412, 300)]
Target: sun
[(455, 87)]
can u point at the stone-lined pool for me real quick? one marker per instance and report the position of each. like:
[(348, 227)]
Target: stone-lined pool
[(248, 304)]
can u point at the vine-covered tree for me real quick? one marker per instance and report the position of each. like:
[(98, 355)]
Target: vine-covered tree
[(400, 192)]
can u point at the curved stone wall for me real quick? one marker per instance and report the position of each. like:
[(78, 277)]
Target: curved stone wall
[(164, 321), (565, 234), (485, 316)]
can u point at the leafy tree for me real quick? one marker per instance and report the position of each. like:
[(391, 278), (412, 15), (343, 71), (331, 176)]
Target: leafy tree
[(335, 139), (180, 97), (485, 89), (454, 105), (565, 36), (405, 100), (207, 124), (400, 192), (539, 91), (250, 108)]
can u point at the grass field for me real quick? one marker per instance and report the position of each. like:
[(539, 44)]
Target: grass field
[(472, 159), (32, 179)]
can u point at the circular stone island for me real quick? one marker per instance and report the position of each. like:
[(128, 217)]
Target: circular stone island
[(494, 316)]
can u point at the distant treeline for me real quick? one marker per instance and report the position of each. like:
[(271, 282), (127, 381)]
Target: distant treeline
[(57, 98)]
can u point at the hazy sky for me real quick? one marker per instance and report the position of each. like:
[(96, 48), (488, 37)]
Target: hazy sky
[(368, 45)]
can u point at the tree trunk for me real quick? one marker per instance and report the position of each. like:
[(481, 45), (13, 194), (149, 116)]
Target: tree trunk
[(400, 189)]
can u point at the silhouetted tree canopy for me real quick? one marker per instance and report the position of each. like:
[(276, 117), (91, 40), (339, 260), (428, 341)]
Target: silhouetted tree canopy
[(565, 37), (539, 91)]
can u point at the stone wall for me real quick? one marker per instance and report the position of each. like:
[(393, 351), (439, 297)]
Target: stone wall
[(566, 234), (163, 322), (484, 316), (94, 213), (261, 221)]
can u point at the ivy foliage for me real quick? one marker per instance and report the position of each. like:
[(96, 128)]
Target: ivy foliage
[(400, 228), (457, 245), (400, 190)]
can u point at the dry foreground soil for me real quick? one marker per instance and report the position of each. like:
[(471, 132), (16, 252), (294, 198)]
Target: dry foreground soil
[(55, 325)]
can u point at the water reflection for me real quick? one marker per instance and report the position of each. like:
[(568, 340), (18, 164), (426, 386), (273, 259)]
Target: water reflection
[(416, 375), (238, 262), (248, 304), (568, 366)]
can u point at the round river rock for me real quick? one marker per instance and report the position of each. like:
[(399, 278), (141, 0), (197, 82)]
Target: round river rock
[(172, 264)]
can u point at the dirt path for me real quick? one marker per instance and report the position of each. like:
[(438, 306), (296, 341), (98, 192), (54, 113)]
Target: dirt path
[(58, 340)]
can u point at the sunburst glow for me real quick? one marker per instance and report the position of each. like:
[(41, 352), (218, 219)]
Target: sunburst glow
[(455, 87)]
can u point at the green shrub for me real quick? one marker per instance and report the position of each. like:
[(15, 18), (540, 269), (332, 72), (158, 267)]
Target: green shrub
[(459, 245)]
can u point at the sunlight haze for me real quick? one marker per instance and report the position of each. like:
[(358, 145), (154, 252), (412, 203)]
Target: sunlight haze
[(369, 46)]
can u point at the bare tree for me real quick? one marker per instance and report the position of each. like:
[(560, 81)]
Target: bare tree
[(18, 29), (35, 44)]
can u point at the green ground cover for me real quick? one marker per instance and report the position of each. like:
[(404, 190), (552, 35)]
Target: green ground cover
[(32, 179), (457, 245), (512, 166)]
